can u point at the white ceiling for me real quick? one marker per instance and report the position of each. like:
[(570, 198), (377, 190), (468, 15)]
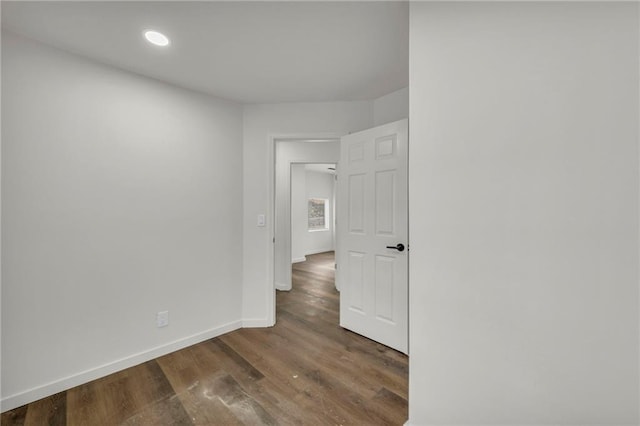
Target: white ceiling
[(251, 52)]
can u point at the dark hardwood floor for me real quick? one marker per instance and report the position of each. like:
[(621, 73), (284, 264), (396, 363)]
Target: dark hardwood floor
[(305, 370)]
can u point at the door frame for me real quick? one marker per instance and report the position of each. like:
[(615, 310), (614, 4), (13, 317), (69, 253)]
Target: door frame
[(273, 139)]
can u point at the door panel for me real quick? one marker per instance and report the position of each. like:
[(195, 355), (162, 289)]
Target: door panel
[(356, 281), (356, 203), (372, 216), (385, 274), (385, 203)]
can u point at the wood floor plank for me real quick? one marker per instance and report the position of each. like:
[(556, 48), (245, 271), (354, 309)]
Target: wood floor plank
[(15, 417), (191, 373), (240, 362), (292, 386), (387, 403), (355, 370), (139, 395), (243, 405), (275, 389), (352, 342), (154, 398), (372, 366), (101, 401), (183, 368), (303, 372), (48, 411)]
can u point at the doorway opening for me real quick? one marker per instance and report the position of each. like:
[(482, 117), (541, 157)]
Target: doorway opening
[(313, 212), (294, 160), (313, 197), (372, 239), (311, 300)]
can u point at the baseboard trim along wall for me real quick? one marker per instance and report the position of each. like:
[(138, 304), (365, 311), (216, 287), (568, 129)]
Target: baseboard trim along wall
[(257, 323), (281, 287), (34, 394), (299, 259)]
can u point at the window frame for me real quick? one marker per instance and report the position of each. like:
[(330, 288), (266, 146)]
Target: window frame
[(327, 222)]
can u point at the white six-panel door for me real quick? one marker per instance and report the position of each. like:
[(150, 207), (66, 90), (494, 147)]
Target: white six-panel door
[(372, 273)]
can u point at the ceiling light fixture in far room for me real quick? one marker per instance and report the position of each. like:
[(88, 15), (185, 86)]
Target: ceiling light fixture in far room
[(156, 38)]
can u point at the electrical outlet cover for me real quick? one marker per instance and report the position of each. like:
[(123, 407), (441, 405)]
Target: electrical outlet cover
[(162, 319)]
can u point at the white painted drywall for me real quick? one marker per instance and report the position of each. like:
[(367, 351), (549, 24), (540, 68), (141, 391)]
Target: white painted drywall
[(261, 124), (288, 153), (298, 212), (391, 107), (320, 185), (524, 214), (121, 197)]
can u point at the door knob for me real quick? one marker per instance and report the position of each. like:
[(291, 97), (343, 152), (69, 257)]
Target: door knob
[(399, 247)]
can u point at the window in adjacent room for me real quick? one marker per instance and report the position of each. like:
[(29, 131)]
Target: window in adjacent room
[(318, 214)]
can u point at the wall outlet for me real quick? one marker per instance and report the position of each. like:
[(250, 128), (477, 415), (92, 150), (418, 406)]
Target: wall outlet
[(162, 319)]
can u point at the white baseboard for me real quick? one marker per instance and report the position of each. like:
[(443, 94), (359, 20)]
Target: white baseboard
[(256, 323), (282, 287), (299, 259), (16, 400)]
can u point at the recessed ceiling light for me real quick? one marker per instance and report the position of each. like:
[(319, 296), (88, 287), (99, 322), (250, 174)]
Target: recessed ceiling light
[(156, 38)]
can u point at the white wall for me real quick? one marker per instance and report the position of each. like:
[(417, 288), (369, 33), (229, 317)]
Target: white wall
[(121, 197), (261, 123), (391, 107), (319, 185), (524, 213), (299, 219)]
